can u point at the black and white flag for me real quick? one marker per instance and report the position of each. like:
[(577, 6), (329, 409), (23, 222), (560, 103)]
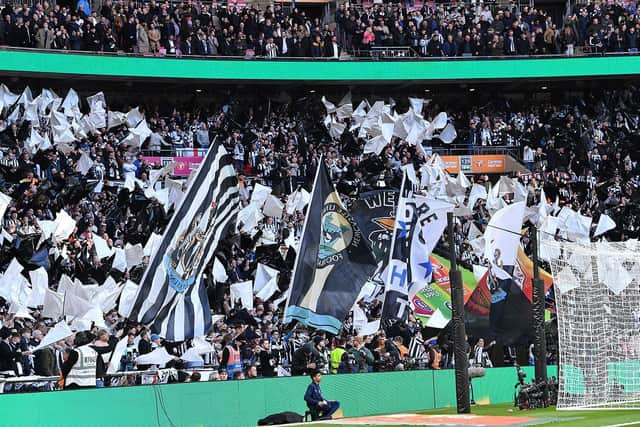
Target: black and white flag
[(172, 297), (333, 263), (419, 224)]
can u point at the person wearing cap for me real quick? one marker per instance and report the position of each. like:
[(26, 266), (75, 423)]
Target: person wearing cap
[(308, 357), (319, 407), (156, 341)]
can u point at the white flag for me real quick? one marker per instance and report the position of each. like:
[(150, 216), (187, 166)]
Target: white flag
[(59, 332), (108, 295), (502, 235), (270, 288), (264, 273), (370, 328), (417, 104), (330, 106), (152, 244), (159, 357), (11, 281), (53, 302), (75, 306), (359, 318), (191, 356), (605, 223), (375, 145), (127, 298), (431, 220), (219, 272), (478, 192), (133, 255), (259, 194), (437, 320), (39, 286), (134, 117), (120, 260), (298, 200), (102, 248), (64, 225), (4, 203), (118, 352), (273, 207), (85, 163), (244, 292), (20, 311)]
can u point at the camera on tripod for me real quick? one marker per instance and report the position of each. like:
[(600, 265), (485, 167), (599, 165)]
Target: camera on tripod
[(534, 395)]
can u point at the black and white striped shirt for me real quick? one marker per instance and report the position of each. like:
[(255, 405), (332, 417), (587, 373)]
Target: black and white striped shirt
[(416, 348)]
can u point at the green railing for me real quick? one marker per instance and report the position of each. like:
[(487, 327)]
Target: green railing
[(16, 62), (242, 403)]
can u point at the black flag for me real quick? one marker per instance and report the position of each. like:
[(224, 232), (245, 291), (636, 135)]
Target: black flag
[(333, 263)]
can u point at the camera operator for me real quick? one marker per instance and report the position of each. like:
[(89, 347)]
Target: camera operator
[(309, 357), (362, 355), (398, 353), (382, 356)]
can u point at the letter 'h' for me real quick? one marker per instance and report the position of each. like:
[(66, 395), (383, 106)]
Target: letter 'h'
[(397, 275)]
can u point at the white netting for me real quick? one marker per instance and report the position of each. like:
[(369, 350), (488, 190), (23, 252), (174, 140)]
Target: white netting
[(598, 302)]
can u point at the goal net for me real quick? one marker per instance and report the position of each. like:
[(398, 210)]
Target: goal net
[(597, 289)]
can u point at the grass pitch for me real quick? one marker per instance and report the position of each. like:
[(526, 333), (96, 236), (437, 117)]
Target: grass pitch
[(571, 418), (546, 417)]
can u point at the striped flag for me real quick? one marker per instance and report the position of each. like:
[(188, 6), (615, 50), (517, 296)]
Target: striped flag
[(419, 224), (172, 297)]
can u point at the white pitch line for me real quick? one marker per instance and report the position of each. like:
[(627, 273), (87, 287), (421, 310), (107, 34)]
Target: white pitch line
[(633, 423)]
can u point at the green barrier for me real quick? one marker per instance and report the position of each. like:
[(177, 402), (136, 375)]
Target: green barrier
[(624, 374), (242, 403), (41, 63)]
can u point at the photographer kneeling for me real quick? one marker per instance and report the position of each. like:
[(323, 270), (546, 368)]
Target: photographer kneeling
[(320, 408)]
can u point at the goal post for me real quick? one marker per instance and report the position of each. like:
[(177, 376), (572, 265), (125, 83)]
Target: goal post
[(597, 290)]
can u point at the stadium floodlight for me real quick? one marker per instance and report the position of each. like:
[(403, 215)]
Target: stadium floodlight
[(597, 289)]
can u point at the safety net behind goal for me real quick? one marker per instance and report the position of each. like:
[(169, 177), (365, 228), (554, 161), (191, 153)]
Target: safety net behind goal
[(597, 289)]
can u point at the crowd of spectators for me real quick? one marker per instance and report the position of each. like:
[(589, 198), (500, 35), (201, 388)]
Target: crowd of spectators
[(485, 30), (193, 28), (580, 151)]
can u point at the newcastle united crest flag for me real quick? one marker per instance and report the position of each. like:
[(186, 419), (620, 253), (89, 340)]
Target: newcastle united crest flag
[(333, 263), (172, 297)]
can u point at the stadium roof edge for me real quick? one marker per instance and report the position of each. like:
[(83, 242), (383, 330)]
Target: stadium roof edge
[(137, 68)]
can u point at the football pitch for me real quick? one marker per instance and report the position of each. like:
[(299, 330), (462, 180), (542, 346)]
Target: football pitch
[(498, 415)]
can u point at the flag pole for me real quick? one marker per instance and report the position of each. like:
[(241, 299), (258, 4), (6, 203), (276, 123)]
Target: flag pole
[(538, 297), (394, 234), (463, 402), (304, 228)]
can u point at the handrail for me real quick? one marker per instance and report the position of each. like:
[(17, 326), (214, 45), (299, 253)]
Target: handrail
[(477, 149), (345, 58), (454, 149)]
